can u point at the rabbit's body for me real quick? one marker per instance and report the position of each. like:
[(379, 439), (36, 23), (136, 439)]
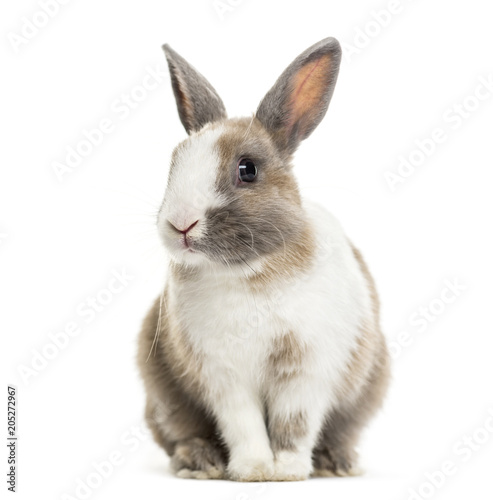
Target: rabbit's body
[(263, 359)]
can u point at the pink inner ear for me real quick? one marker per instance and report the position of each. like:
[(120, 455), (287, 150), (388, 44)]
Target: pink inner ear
[(183, 96), (308, 87)]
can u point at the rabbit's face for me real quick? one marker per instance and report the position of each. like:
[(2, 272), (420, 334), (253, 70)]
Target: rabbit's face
[(231, 196)]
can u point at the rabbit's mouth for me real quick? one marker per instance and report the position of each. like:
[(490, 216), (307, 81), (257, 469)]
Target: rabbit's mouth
[(188, 245)]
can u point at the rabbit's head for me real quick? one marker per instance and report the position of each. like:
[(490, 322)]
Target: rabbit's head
[(231, 196)]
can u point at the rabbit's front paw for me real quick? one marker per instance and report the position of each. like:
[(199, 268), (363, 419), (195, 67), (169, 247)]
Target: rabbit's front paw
[(335, 461), (198, 458), (291, 466), (251, 469)]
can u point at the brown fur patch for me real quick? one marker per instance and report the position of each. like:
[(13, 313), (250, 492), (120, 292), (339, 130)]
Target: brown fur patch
[(261, 219), (371, 283), (360, 364), (275, 183), (368, 343), (287, 264), (285, 431), (287, 356), (246, 137)]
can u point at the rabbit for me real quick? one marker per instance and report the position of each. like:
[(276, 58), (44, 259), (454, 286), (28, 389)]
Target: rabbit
[(263, 358)]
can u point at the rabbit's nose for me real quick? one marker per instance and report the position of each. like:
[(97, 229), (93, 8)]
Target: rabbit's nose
[(183, 231)]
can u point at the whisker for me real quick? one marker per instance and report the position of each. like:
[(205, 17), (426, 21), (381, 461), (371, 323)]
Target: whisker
[(158, 328)]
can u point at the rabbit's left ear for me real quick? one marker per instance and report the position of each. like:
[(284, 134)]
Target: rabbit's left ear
[(298, 101), (197, 101)]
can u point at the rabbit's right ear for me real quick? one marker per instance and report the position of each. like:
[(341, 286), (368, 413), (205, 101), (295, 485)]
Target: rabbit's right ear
[(197, 101)]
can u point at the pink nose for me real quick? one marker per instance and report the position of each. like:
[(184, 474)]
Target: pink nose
[(184, 231)]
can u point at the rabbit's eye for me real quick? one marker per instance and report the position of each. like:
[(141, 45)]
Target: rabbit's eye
[(247, 171)]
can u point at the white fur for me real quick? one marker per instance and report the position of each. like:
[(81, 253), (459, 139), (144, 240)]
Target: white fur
[(233, 328), (190, 192)]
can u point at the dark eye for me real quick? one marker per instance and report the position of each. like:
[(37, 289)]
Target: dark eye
[(247, 171)]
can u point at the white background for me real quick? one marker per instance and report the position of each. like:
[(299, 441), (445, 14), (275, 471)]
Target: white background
[(60, 241)]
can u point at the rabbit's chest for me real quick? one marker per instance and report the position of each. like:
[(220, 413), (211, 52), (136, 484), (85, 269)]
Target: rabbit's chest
[(241, 330), (312, 322), (227, 319)]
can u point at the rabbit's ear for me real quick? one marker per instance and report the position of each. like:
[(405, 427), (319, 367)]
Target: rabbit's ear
[(197, 101), (298, 101)]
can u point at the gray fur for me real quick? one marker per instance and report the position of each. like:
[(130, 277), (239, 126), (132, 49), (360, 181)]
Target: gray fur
[(174, 413), (197, 101), (335, 453), (284, 432)]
